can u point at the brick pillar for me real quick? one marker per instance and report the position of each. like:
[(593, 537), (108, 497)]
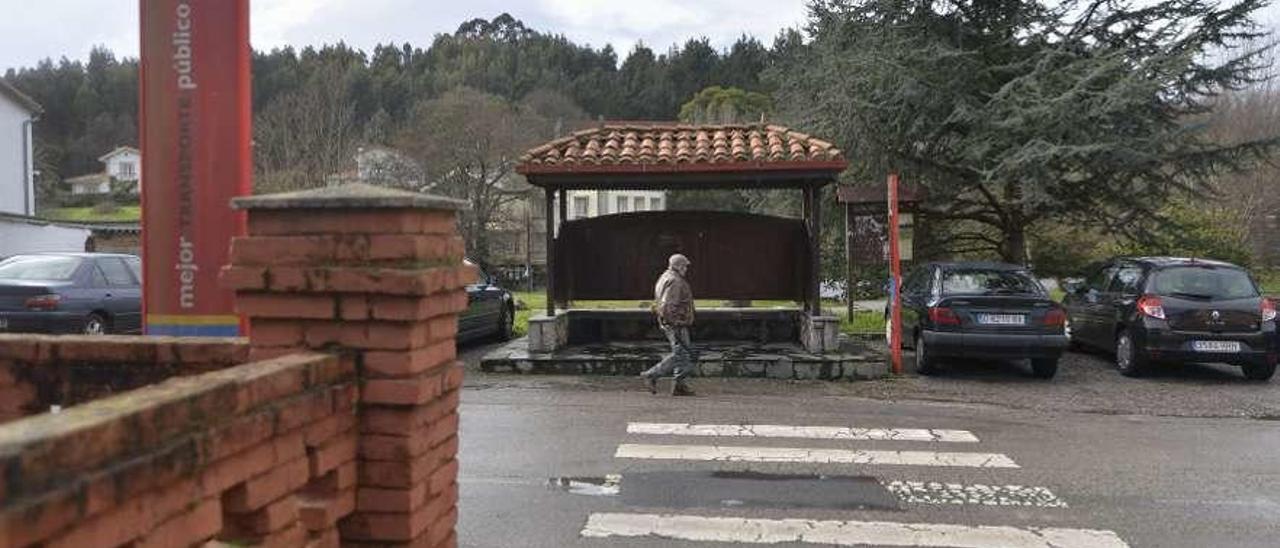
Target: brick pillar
[(377, 275)]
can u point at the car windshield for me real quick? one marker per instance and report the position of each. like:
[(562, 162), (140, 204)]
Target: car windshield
[(988, 282), (38, 267), (1204, 282)]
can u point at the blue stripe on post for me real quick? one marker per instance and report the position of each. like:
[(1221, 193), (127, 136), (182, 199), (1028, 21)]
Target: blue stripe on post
[(165, 330)]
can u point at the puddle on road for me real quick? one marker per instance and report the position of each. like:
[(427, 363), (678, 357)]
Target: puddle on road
[(606, 486)]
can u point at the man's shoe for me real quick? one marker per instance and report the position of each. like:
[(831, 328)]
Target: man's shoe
[(651, 383), (681, 390)]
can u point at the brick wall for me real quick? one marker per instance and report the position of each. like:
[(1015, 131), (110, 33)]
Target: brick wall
[(342, 429), (37, 372)]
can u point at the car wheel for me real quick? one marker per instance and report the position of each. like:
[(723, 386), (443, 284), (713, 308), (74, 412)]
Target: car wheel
[(1259, 371), (94, 324), (1044, 368), (925, 362), (506, 325), (1129, 360)]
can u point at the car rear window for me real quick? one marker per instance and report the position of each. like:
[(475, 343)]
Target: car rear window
[(37, 267), (989, 282), (1204, 282)]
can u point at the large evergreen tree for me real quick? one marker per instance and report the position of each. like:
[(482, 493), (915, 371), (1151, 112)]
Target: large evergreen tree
[(1014, 111)]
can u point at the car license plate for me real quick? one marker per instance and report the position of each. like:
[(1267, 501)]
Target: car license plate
[(1002, 319), (1216, 346)]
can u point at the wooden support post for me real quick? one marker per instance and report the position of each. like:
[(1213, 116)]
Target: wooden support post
[(849, 226), (551, 248), (815, 278)]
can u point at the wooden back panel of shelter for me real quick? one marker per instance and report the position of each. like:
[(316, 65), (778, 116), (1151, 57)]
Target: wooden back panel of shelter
[(735, 255)]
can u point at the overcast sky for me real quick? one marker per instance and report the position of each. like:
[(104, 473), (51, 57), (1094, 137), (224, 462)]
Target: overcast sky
[(35, 29)]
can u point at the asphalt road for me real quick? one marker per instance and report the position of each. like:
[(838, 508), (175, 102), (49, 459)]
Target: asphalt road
[(1188, 457)]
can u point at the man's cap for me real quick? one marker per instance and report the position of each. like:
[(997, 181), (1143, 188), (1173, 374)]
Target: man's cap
[(677, 260)]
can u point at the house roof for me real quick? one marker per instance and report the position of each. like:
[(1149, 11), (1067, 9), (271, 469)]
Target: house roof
[(7, 90), (118, 151), (96, 178), (632, 148)]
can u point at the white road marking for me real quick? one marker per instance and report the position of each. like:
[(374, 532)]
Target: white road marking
[(931, 492), (806, 432), (842, 533), (812, 455)]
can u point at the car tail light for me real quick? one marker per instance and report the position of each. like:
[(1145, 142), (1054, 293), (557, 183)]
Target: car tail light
[(1150, 305), (1268, 310), (1055, 317), (940, 315), (43, 302)]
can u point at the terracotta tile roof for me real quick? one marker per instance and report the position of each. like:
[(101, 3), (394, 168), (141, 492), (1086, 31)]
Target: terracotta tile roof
[(640, 147)]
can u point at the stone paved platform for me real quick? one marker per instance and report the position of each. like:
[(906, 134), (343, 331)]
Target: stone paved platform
[(856, 360)]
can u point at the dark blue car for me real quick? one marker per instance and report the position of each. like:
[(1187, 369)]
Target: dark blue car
[(90, 293)]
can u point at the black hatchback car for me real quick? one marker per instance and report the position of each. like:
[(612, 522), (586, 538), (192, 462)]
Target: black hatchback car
[(1162, 309), (90, 293), (981, 310)]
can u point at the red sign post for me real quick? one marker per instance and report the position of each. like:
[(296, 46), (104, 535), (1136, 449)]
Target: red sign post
[(895, 280), (195, 111)]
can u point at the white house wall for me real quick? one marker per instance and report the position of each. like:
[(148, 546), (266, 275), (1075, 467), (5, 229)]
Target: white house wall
[(16, 194), (17, 237)]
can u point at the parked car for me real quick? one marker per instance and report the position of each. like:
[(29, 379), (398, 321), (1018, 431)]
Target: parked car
[(90, 293), (981, 310), (490, 313), (1149, 310)]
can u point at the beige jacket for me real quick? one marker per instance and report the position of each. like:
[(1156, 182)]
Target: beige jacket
[(673, 299)]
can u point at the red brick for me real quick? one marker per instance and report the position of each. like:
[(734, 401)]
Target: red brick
[(135, 350), (38, 520), (6, 374), (303, 409), (453, 377), (279, 378), (329, 538), (238, 468), (450, 542), (354, 307), (257, 491), (403, 336), (402, 474), (341, 368), (395, 447), (444, 327), (265, 353), (381, 221), (122, 524), (399, 421), (339, 479), (217, 353), (168, 501), (333, 454), (444, 477), (289, 537), (285, 250), (187, 529), (23, 348), (19, 398), (345, 397), (384, 526), (299, 306), (374, 499), (242, 278), (288, 280), (288, 447), (320, 513), (404, 364), (443, 429), (273, 517), (324, 430), (408, 247), (442, 529), (412, 391), (269, 332)]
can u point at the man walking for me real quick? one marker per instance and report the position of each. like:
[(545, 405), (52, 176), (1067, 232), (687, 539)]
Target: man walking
[(673, 304)]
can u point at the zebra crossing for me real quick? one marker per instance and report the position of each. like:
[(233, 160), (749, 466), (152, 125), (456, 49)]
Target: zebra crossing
[(943, 450)]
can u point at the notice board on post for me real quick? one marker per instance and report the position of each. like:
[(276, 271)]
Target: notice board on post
[(195, 136)]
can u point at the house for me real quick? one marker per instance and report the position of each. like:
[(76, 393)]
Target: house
[(124, 164), (17, 169), (378, 165)]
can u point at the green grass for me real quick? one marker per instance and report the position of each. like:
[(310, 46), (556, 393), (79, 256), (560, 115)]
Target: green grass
[(535, 303), (86, 214), (1269, 280)]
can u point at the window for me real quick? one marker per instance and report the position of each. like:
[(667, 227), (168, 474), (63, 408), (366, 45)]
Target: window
[(1205, 283), (135, 265), (989, 282), (637, 204), (99, 279), (620, 203), (117, 273), (580, 205), (1100, 278), (655, 204), (127, 170), (38, 267), (1126, 281)]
